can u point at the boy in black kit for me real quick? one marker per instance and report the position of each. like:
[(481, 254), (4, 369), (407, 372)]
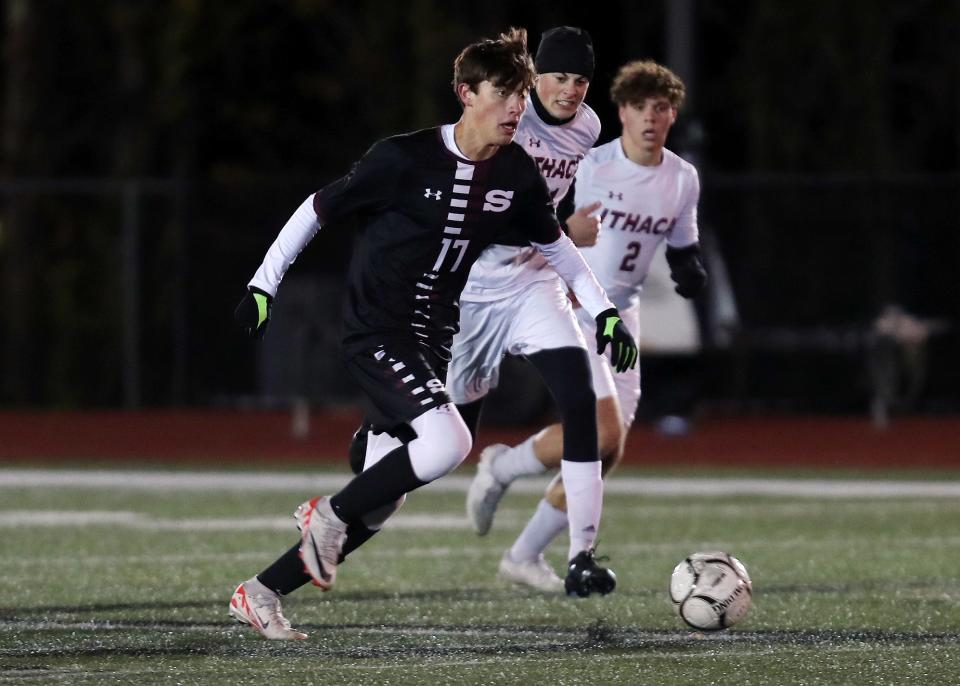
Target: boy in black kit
[(428, 202)]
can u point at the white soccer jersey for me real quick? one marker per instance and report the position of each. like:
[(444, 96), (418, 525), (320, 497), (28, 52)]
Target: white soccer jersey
[(642, 206), (503, 270)]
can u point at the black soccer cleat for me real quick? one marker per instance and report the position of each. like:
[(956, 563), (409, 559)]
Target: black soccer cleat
[(585, 576)]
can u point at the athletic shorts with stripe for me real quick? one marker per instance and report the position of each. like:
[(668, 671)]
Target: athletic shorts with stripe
[(401, 380)]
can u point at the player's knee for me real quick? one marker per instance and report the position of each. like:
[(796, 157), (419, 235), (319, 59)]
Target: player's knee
[(444, 442), (611, 437), (460, 443), (555, 495), (610, 460)]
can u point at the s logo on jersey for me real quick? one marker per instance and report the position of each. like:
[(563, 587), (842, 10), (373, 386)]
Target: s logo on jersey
[(497, 201)]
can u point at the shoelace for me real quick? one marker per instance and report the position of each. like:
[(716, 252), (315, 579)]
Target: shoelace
[(595, 558)]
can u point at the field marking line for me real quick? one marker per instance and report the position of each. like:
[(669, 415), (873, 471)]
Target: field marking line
[(482, 552), (160, 480), (145, 522), (507, 518)]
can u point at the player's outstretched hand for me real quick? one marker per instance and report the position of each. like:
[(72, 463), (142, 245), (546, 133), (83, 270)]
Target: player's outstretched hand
[(612, 330), (687, 270), (584, 229), (253, 312)]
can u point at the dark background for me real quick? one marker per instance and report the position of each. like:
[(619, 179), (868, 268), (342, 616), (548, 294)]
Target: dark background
[(151, 152)]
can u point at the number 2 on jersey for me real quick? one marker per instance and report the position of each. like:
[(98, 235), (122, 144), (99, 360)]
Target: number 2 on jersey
[(629, 260), (460, 245)]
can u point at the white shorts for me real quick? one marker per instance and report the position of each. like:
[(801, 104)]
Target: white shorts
[(539, 318), (606, 382)]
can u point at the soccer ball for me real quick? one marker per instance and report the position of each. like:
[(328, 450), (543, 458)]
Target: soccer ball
[(711, 591)]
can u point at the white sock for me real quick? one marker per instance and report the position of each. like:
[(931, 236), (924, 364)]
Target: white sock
[(517, 461), (584, 487), (545, 525)]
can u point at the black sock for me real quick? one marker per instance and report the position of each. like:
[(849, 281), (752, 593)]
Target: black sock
[(286, 574), (357, 535), (383, 483)]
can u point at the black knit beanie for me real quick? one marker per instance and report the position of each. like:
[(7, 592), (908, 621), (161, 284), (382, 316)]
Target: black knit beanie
[(565, 49)]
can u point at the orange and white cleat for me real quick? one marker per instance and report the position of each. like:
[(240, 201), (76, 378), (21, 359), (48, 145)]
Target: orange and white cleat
[(255, 604), (322, 534)]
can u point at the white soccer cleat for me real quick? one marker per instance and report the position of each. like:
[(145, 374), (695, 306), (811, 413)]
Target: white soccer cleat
[(485, 491), (536, 573), (260, 608), (322, 534)]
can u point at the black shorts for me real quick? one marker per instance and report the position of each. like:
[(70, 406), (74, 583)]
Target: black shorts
[(401, 381)]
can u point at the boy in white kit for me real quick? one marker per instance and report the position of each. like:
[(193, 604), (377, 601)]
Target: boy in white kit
[(648, 195), (514, 303)]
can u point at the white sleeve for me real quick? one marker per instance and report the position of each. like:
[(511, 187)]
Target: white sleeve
[(567, 261), (293, 237)]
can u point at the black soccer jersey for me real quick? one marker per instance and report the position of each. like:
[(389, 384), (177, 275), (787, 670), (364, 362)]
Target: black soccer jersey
[(426, 215)]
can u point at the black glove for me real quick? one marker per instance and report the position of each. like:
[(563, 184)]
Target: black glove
[(611, 329), (253, 312), (687, 270)]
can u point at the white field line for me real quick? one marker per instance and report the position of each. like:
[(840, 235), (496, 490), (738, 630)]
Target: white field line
[(157, 480), (480, 552), (138, 520), (507, 517)]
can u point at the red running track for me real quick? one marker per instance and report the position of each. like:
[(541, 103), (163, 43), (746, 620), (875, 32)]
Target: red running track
[(259, 439)]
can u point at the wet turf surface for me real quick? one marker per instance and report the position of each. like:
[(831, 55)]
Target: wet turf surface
[(852, 591)]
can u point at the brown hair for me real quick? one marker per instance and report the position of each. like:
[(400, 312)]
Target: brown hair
[(504, 62), (638, 80)]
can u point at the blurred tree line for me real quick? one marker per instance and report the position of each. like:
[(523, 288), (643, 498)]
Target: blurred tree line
[(242, 108)]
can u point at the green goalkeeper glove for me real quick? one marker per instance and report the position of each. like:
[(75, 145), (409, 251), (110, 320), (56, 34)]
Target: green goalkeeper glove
[(253, 312), (612, 330)]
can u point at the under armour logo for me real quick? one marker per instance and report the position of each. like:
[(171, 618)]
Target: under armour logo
[(618, 196), (428, 193), (534, 142)]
